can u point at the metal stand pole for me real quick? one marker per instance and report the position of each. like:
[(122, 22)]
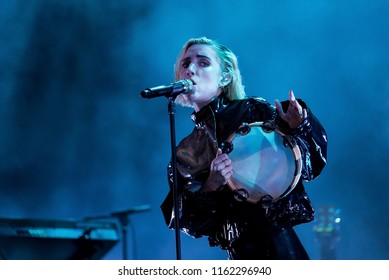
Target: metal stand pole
[(172, 110)]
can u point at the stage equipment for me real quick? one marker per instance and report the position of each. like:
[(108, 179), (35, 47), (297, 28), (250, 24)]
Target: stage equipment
[(124, 221), (327, 229), (39, 239)]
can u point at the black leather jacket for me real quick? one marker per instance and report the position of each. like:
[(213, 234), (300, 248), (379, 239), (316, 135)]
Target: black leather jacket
[(218, 214)]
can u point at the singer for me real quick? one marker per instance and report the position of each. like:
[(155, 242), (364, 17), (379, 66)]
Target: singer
[(209, 207)]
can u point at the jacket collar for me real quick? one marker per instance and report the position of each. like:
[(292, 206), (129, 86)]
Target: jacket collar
[(215, 106)]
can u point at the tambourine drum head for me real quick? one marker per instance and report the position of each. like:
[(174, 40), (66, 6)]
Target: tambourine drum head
[(266, 166)]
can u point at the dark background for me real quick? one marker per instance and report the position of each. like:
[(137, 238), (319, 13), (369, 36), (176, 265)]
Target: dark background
[(77, 140)]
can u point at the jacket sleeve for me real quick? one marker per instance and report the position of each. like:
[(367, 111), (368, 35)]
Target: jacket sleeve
[(311, 137), (199, 213)]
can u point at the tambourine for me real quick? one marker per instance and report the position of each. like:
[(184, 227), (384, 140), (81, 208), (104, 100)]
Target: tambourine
[(267, 163)]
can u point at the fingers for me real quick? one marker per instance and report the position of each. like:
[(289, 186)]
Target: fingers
[(294, 103), (294, 108), (227, 172), (221, 162), (220, 156), (220, 172), (295, 114), (305, 114), (280, 111), (221, 167), (292, 98)]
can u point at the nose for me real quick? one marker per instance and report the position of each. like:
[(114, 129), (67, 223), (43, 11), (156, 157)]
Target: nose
[(190, 71)]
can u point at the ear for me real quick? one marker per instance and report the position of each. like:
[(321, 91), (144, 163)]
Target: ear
[(226, 79)]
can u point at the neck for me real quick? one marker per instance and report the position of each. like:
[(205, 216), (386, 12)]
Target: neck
[(198, 106), (218, 104)]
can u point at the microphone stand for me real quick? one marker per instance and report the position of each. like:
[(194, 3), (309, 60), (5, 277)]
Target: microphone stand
[(124, 221), (172, 111), (171, 92)]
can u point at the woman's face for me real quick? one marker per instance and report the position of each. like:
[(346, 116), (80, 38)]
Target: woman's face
[(200, 64)]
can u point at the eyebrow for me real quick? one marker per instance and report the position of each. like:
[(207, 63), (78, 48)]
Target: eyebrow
[(203, 56), (198, 56)]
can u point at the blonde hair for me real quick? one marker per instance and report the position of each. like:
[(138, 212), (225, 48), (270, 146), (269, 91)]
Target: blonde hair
[(228, 63)]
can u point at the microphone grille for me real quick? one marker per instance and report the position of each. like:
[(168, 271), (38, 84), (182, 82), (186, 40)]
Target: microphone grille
[(188, 84)]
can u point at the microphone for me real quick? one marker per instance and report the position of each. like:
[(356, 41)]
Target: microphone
[(172, 90)]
